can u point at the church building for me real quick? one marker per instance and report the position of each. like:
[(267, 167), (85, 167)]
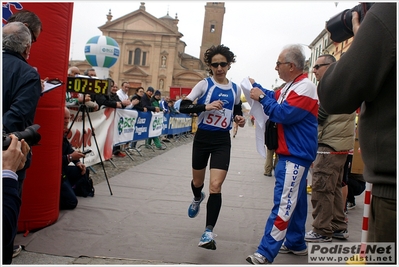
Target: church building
[(152, 52)]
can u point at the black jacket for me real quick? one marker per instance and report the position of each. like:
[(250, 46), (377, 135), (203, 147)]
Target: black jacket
[(21, 92), (146, 102), (107, 100), (139, 106), (66, 150)]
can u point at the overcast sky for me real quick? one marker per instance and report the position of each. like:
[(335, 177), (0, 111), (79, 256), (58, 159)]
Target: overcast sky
[(256, 31)]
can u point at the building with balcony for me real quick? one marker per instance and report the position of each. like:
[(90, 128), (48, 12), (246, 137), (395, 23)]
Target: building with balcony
[(321, 45)]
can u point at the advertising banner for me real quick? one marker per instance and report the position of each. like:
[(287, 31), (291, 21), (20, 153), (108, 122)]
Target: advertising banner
[(125, 122), (102, 122)]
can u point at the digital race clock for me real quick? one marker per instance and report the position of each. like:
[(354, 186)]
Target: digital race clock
[(87, 85)]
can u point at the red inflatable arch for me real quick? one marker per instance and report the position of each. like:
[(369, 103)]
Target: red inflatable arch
[(41, 191)]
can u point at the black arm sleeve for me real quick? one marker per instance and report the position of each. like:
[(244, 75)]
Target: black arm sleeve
[(187, 106), (237, 110), (102, 100)]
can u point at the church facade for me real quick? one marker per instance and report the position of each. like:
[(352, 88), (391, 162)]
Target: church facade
[(152, 52)]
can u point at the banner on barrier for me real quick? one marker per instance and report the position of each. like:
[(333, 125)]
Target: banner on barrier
[(142, 126), (118, 126), (156, 124), (126, 124), (179, 123), (102, 122)]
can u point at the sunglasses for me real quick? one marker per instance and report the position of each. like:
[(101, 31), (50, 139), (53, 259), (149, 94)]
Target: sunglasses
[(320, 65), (222, 64)]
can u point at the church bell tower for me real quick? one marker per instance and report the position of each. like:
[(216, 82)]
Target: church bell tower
[(213, 26)]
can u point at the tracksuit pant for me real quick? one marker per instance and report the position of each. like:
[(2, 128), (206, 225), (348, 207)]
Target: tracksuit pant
[(288, 216)]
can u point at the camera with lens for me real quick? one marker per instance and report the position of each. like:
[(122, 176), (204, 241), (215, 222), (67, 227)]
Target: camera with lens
[(30, 135), (340, 26)]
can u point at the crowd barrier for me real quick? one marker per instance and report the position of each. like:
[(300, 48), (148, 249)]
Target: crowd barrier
[(109, 127)]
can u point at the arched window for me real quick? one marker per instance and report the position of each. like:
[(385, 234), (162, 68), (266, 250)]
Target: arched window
[(130, 58), (137, 56)]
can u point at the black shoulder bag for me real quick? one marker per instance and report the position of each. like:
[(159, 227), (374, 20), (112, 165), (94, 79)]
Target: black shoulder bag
[(271, 137)]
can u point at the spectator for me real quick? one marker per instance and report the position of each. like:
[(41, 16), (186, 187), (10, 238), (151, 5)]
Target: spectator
[(124, 96), (112, 100), (70, 174), (356, 186), (271, 162), (217, 96), (171, 108), (344, 188), (139, 107), (164, 104), (352, 81), (294, 109), (14, 159), (171, 111), (146, 100), (139, 94), (155, 103), (22, 87), (90, 72), (335, 134), (32, 21), (177, 103), (235, 125), (155, 99)]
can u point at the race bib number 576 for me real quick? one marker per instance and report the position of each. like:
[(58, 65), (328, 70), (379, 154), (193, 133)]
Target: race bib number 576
[(218, 118)]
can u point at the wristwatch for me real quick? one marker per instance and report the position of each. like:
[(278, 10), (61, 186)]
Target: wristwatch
[(261, 97)]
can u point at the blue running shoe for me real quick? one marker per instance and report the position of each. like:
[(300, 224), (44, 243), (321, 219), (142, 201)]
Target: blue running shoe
[(194, 207), (207, 240)]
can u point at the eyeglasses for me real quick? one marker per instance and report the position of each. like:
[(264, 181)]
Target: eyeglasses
[(222, 64), (320, 65), (32, 35), (140, 91), (279, 63)]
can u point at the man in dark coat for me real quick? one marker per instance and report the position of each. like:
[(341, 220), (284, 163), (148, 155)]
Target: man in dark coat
[(21, 90)]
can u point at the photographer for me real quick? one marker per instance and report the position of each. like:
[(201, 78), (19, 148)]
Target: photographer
[(366, 76), (71, 175), (22, 86), (14, 159)]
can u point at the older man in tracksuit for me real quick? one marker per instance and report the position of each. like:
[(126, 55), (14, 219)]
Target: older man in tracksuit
[(294, 109)]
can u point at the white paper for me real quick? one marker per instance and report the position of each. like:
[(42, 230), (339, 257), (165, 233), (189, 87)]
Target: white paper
[(260, 117), (50, 86)]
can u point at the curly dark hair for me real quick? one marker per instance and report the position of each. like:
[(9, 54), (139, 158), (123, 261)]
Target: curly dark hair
[(214, 50)]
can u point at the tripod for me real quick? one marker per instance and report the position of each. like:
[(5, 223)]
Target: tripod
[(83, 109)]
